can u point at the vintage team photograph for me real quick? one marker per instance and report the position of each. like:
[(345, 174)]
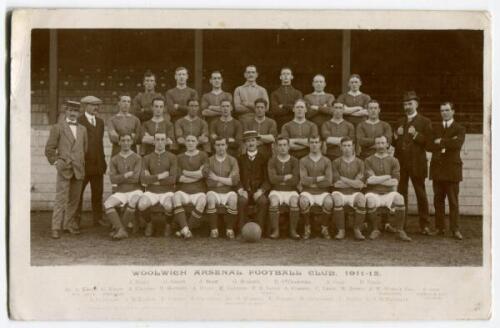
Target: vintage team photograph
[(278, 147)]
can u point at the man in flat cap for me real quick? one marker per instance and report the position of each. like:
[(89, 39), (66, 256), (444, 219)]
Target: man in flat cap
[(95, 163), (411, 139), (254, 183), (65, 149)]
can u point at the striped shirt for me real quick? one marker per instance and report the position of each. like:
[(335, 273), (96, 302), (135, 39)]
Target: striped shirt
[(119, 165), (276, 170), (226, 168), (310, 170), (333, 129), (191, 163), (354, 170), (154, 164), (375, 165)]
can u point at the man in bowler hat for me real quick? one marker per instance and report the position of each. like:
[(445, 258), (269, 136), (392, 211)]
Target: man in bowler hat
[(446, 168), (95, 164), (411, 140)]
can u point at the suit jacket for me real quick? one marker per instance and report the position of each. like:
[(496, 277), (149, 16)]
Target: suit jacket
[(95, 162), (410, 152), (68, 152), (253, 174), (446, 164)]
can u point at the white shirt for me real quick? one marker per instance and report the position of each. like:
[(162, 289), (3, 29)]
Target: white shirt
[(412, 116), (252, 154), (90, 118), (446, 124), (72, 127)]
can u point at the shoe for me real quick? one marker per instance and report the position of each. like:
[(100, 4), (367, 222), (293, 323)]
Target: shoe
[(148, 232), (294, 235), (55, 234), (358, 235), (73, 231), (458, 235), (178, 234), (403, 236), (120, 234), (325, 233), (188, 235), (275, 235), (230, 234), (340, 234), (427, 232), (214, 233), (168, 230), (307, 232), (389, 228), (112, 233), (375, 234), (101, 223)]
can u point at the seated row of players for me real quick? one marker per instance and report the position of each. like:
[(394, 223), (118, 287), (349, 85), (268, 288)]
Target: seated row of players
[(281, 101), (222, 180), (297, 130)]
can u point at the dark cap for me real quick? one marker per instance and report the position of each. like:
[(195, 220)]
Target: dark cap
[(410, 95)]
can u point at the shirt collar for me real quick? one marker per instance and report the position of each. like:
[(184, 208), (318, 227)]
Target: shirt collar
[(229, 119), (70, 121), (220, 160), (372, 122), (130, 152), (287, 158), (335, 121), (181, 87), (412, 116), (252, 154), (89, 116), (217, 92), (351, 159), (123, 114), (299, 122), (449, 122), (381, 156), (163, 152), (250, 84), (319, 93), (187, 117), (259, 121), (354, 94), (157, 120)]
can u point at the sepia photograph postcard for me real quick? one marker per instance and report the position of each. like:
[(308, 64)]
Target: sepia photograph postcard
[(250, 165)]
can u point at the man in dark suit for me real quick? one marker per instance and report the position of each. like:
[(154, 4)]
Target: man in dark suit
[(254, 183), (95, 164), (65, 149), (411, 139), (446, 168)]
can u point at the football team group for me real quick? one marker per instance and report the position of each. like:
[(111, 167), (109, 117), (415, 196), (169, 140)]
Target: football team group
[(304, 161)]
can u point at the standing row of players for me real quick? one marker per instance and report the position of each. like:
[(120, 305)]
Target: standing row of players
[(298, 119)]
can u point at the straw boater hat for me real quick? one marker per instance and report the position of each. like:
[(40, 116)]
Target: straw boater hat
[(250, 134)]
